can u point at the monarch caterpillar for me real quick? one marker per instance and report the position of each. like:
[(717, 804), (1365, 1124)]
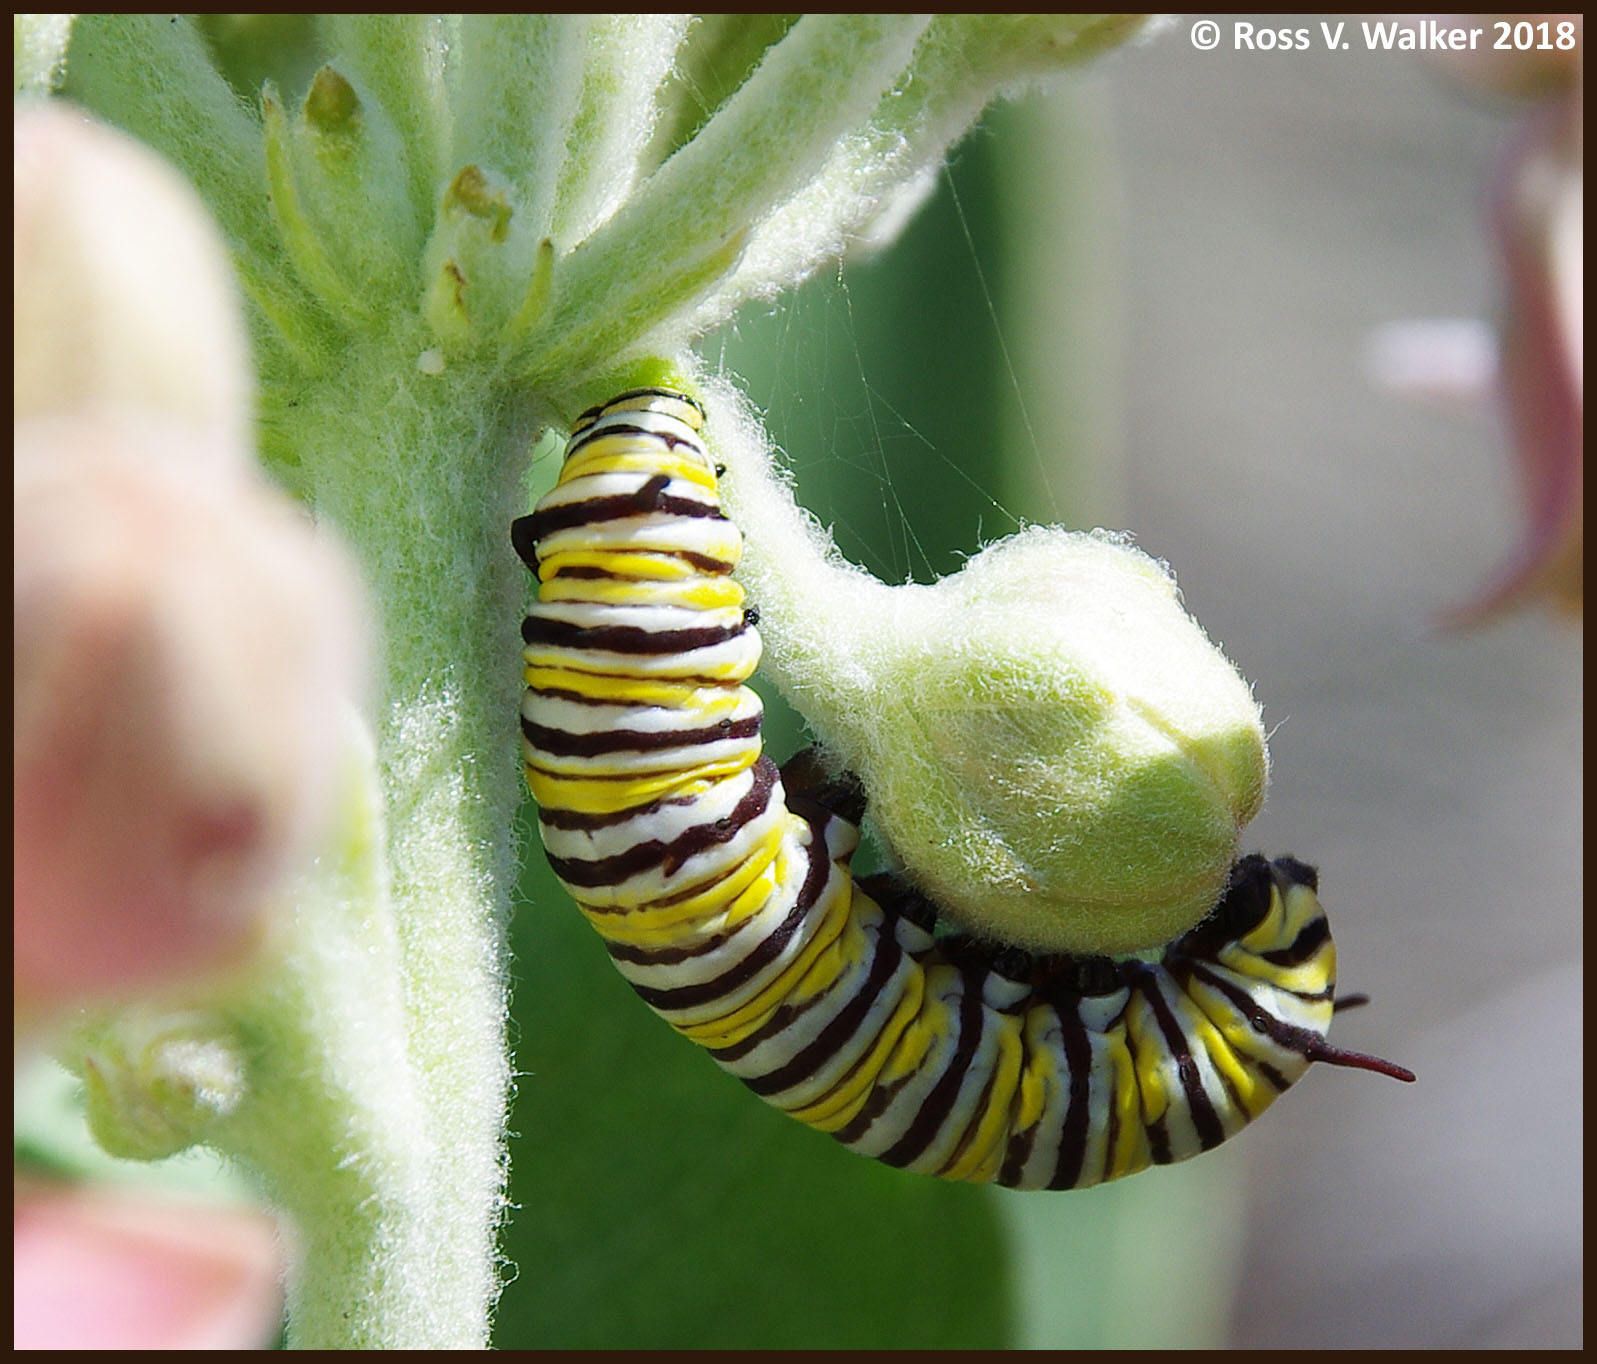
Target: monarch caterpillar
[(721, 885)]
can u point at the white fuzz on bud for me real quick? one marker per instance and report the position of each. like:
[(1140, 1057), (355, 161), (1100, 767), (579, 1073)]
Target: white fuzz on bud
[(1055, 749)]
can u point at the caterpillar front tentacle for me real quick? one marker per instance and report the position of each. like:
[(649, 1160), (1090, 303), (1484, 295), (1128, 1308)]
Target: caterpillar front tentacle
[(727, 900)]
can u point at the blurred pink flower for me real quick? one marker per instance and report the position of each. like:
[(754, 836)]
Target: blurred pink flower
[(1533, 375), (1537, 209), (185, 647), (113, 1269)]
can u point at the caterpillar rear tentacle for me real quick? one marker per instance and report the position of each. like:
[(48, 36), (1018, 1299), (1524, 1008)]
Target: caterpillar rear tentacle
[(722, 889)]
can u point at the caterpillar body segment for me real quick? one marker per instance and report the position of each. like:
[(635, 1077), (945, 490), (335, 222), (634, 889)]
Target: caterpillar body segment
[(722, 886)]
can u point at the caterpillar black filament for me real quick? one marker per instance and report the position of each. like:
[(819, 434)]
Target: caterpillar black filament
[(722, 889)]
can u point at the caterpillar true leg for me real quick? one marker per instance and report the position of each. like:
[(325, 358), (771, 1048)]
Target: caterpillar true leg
[(729, 905)]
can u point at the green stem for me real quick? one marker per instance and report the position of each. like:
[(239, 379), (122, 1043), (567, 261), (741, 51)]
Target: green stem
[(325, 1040), (627, 59), (418, 472), (792, 568), (960, 60)]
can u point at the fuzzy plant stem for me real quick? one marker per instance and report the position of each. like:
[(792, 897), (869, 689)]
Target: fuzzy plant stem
[(794, 571), (415, 467), (362, 1072), (375, 1047)]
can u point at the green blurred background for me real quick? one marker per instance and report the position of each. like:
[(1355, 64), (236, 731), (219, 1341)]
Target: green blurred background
[(1142, 301)]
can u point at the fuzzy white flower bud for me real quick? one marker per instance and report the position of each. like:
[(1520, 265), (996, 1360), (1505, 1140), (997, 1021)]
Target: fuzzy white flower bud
[(1055, 749), (123, 295), (185, 651)]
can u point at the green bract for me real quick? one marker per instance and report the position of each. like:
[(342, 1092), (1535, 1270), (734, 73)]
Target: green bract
[(155, 1084)]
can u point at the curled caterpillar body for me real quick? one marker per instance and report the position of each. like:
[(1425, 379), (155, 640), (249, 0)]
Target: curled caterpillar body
[(722, 888)]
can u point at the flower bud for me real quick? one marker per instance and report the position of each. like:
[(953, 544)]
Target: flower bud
[(185, 649), (121, 285), (1053, 747), (154, 1083)]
